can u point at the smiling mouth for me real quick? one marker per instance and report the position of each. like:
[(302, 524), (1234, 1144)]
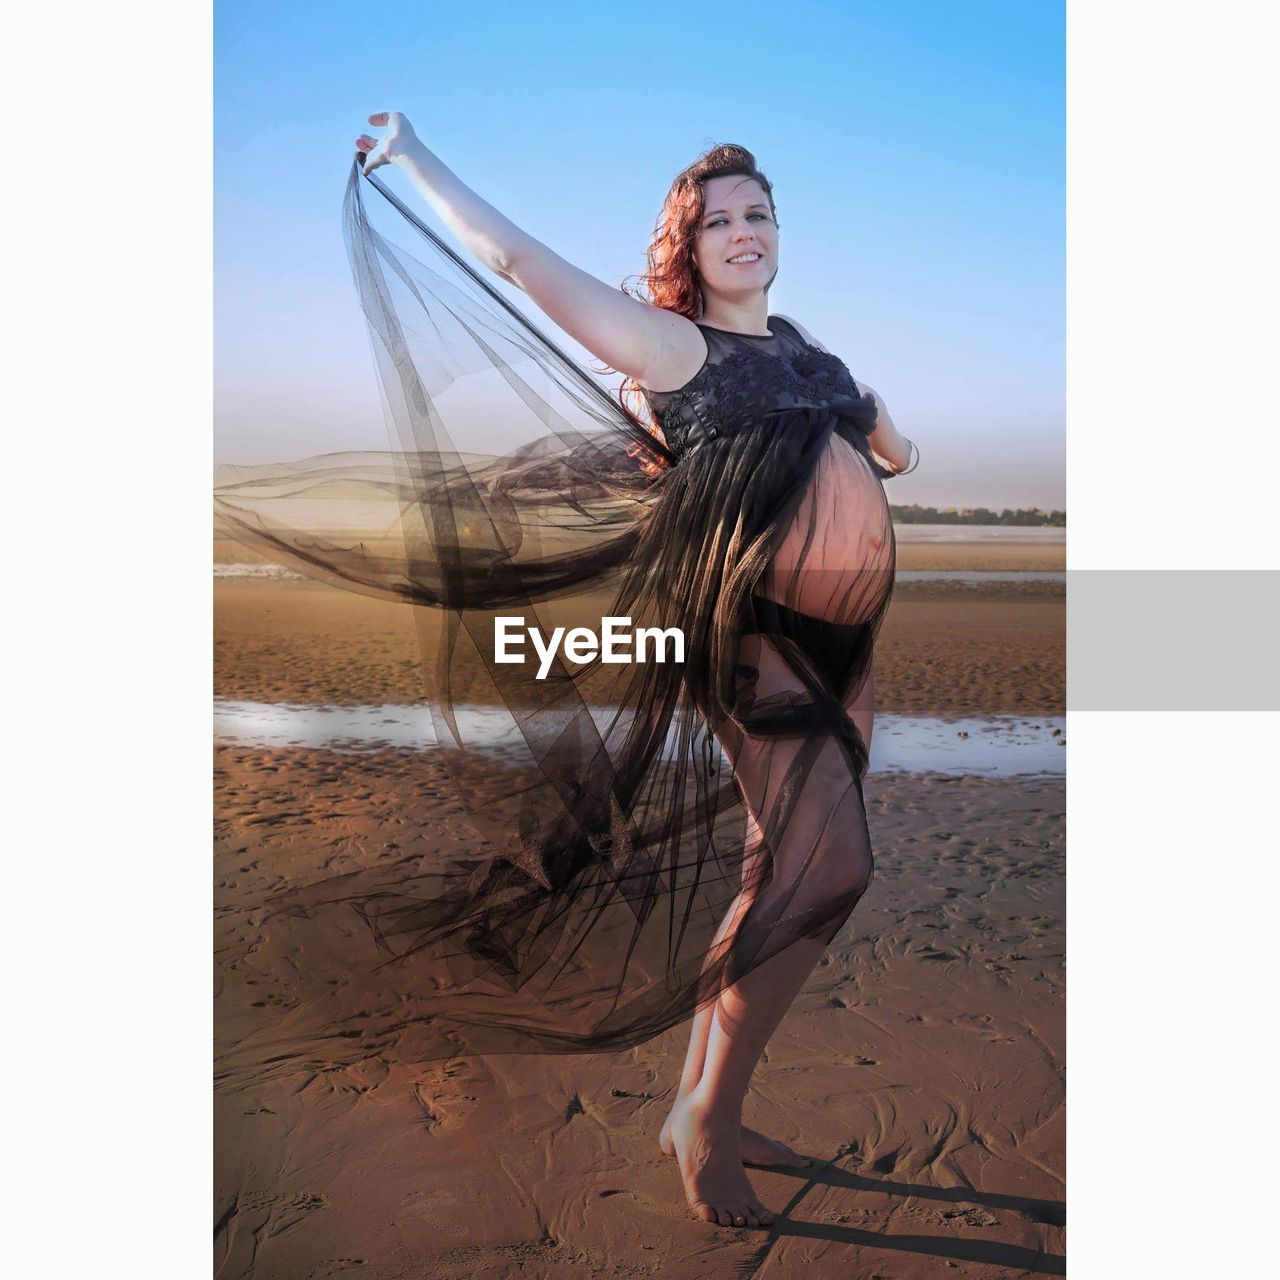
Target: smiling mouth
[(744, 259)]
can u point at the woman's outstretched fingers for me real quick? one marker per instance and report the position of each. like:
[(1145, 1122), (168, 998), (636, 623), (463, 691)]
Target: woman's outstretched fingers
[(379, 151)]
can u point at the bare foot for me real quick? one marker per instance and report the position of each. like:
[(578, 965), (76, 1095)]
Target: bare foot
[(710, 1157), (757, 1148)]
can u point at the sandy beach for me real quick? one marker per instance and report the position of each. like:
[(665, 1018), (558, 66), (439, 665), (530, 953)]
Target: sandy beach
[(946, 648), (922, 1066)]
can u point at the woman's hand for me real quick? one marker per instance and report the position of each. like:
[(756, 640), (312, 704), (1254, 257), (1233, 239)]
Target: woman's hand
[(393, 144)]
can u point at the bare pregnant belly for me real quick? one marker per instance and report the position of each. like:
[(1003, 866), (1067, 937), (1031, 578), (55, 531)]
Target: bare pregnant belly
[(835, 561)]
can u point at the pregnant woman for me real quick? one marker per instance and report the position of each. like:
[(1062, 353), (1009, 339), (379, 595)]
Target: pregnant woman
[(662, 842)]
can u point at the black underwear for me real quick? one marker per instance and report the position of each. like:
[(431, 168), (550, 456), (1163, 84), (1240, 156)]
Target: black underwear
[(832, 648)]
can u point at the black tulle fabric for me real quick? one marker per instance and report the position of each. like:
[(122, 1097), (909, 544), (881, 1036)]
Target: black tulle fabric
[(643, 834)]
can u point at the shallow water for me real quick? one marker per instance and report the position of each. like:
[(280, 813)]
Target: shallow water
[(980, 575), (998, 746), (272, 572)]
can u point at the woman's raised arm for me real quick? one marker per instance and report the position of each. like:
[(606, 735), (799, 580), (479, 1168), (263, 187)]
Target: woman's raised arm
[(657, 347)]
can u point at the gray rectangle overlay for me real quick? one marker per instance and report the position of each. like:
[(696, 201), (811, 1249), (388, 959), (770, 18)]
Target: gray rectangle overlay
[(1173, 640)]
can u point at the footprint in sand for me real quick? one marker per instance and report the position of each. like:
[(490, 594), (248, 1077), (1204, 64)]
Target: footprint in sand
[(661, 1209)]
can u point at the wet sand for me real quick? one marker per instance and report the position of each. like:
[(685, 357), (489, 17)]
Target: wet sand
[(922, 1064)]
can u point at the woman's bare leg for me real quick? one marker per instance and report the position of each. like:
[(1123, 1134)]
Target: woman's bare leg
[(757, 1148), (820, 867)]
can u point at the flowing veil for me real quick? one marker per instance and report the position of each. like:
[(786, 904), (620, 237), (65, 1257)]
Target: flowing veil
[(609, 837)]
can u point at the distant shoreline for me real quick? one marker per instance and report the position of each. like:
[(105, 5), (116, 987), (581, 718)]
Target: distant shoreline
[(1007, 517)]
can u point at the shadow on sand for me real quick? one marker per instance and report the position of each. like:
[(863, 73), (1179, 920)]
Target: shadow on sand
[(993, 1253)]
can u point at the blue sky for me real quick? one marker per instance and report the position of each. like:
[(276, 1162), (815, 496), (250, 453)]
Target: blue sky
[(916, 150)]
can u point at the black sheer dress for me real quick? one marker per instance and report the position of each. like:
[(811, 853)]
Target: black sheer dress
[(623, 814)]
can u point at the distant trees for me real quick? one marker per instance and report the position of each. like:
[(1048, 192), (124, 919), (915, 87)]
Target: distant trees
[(916, 514)]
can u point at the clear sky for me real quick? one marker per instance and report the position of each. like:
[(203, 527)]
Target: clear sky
[(916, 148)]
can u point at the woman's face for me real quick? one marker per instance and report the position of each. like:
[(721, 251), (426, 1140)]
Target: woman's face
[(736, 246)]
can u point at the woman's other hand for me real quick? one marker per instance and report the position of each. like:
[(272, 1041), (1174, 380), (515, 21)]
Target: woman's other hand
[(393, 144)]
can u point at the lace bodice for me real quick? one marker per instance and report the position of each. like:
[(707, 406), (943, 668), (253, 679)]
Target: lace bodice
[(748, 374)]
